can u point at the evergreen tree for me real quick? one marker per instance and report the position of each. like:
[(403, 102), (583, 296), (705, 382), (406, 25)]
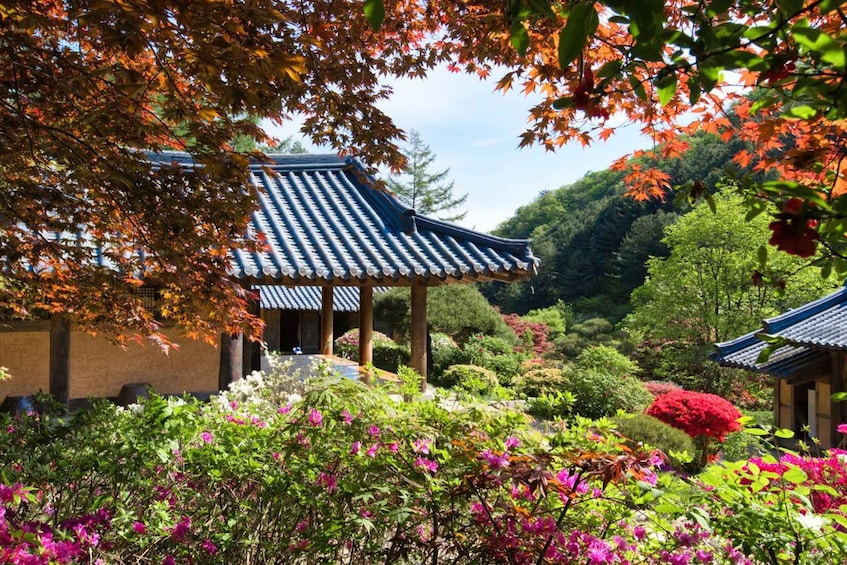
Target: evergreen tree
[(428, 193)]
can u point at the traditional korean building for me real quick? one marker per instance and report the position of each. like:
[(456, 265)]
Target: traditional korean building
[(808, 369), (330, 232)]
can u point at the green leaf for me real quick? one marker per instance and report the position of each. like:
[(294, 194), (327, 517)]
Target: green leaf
[(816, 41), (667, 88), (829, 5), (800, 112), (694, 92), (839, 397), (637, 87), (755, 431), (582, 23), (783, 433), (519, 37), (762, 254), (375, 13), (795, 475), (563, 102), (542, 8), (609, 69), (711, 202)]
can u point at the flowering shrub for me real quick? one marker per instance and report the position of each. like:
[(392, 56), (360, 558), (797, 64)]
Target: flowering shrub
[(703, 416), (697, 413), (347, 475), (470, 378), (347, 344)]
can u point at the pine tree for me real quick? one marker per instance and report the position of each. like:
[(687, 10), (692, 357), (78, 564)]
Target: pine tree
[(428, 193)]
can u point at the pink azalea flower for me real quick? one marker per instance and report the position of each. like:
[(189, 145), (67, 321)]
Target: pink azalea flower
[(206, 437), (315, 417), (373, 449), (512, 442), (842, 428), (426, 464), (494, 460), (285, 409), (354, 448), (346, 417), (327, 481), (139, 527), (373, 430), (421, 446)]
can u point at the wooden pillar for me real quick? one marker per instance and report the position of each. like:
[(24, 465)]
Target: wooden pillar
[(272, 319), (251, 356), (838, 410), (366, 325), (326, 320), (232, 360), (418, 361), (60, 357)]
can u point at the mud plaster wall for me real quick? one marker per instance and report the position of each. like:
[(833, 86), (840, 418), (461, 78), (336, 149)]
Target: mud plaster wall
[(99, 368)]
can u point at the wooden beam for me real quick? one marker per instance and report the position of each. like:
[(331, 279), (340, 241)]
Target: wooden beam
[(418, 361), (60, 357), (232, 356), (366, 325), (326, 320)]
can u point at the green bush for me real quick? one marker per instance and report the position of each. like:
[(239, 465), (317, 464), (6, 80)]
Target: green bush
[(508, 367), (599, 393), (389, 355), (445, 357), (606, 359), (652, 432), (458, 310), (554, 317), (551, 405), (347, 344), (470, 378), (479, 345), (539, 381)]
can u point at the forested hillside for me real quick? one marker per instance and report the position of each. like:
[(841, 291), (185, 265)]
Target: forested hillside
[(594, 242)]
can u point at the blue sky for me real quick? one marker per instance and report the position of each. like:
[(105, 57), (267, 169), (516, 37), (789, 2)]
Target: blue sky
[(474, 131)]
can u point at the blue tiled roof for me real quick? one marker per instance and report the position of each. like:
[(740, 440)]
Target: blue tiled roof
[(325, 221), (811, 331), (275, 297)]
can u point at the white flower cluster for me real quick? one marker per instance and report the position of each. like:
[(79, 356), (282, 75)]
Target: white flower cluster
[(265, 391)]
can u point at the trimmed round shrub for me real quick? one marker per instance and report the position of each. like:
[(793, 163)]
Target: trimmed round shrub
[(538, 381), (445, 357), (655, 433), (470, 378), (606, 359), (697, 413), (389, 355), (599, 393)]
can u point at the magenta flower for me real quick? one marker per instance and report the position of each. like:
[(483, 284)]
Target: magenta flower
[(373, 430), (355, 447), (639, 532), (373, 449), (426, 464), (315, 418), (139, 527), (494, 460), (599, 552), (842, 428), (327, 481), (169, 560), (394, 447), (258, 422), (421, 446), (206, 437), (284, 409), (346, 417), (512, 442), (210, 548), (181, 529)]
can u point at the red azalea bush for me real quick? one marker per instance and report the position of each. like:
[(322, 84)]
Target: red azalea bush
[(697, 413)]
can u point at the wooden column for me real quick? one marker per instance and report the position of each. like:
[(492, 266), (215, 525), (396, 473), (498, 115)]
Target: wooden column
[(326, 320), (418, 361), (232, 360), (838, 410), (251, 356), (60, 357), (366, 325)]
